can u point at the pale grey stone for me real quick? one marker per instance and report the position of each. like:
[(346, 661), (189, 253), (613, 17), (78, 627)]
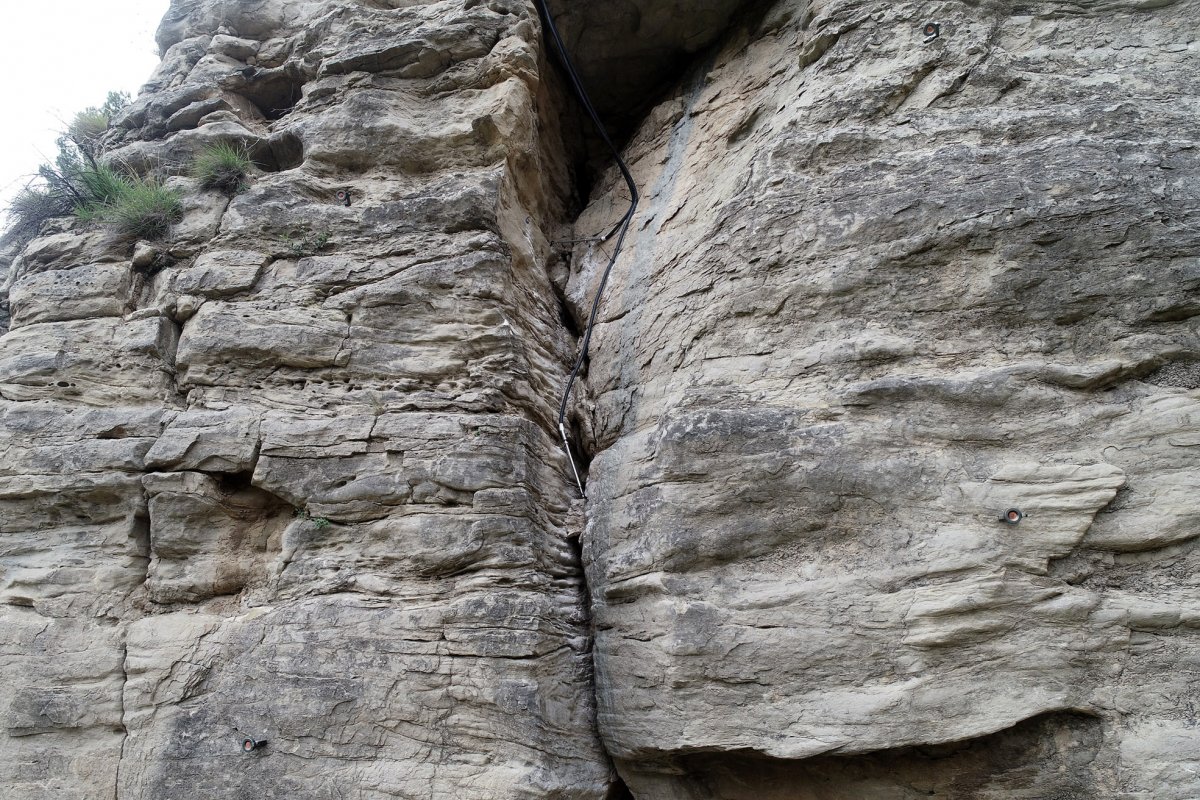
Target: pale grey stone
[(221, 273), (295, 474), (95, 290), (875, 295), (209, 441), (233, 47)]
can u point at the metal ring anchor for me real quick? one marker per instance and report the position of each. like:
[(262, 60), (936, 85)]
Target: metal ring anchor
[(1012, 516), (250, 745)]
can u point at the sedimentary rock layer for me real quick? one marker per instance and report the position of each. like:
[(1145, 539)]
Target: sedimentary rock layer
[(881, 290), (292, 473)]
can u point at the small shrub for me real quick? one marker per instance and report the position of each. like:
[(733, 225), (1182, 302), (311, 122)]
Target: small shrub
[(115, 103), (31, 207), (144, 210), (86, 129), (83, 133), (74, 181), (304, 243), (223, 166), (320, 523)]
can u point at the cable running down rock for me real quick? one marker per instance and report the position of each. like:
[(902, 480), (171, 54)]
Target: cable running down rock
[(619, 230)]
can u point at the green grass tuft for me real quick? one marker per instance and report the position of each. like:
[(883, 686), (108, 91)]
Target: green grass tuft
[(223, 166), (86, 129), (136, 207), (103, 185), (145, 210)]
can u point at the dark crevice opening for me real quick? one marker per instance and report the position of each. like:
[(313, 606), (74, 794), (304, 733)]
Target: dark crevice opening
[(588, 157), (576, 545), (234, 482), (117, 432), (239, 493), (629, 63), (565, 316), (274, 92), (619, 791), (283, 151), (1055, 753), (583, 444)]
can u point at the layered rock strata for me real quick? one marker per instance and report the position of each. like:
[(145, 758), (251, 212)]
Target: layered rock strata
[(291, 473), (881, 290)]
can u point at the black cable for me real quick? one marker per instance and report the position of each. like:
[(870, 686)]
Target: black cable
[(621, 228)]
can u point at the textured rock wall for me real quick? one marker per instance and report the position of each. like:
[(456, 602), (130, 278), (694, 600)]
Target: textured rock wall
[(288, 474), (881, 290), (292, 472)]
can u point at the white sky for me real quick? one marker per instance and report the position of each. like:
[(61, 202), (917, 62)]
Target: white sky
[(58, 57)]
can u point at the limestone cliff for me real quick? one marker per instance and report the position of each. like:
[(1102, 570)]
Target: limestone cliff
[(291, 473)]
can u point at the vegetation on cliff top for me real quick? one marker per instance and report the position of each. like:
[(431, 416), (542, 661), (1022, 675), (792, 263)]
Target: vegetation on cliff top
[(136, 206), (75, 182)]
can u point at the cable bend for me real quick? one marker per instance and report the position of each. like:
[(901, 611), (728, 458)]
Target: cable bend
[(620, 230)]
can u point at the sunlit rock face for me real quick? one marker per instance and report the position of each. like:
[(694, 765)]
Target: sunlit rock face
[(292, 473)]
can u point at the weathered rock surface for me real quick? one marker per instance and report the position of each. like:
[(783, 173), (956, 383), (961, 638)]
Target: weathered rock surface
[(630, 51), (880, 291), (292, 473)]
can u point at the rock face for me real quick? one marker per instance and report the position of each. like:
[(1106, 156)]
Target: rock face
[(629, 51), (882, 290), (292, 473)]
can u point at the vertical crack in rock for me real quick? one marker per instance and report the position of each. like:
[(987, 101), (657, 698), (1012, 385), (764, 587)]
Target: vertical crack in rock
[(292, 470), (861, 321), (617, 234), (116, 791)]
